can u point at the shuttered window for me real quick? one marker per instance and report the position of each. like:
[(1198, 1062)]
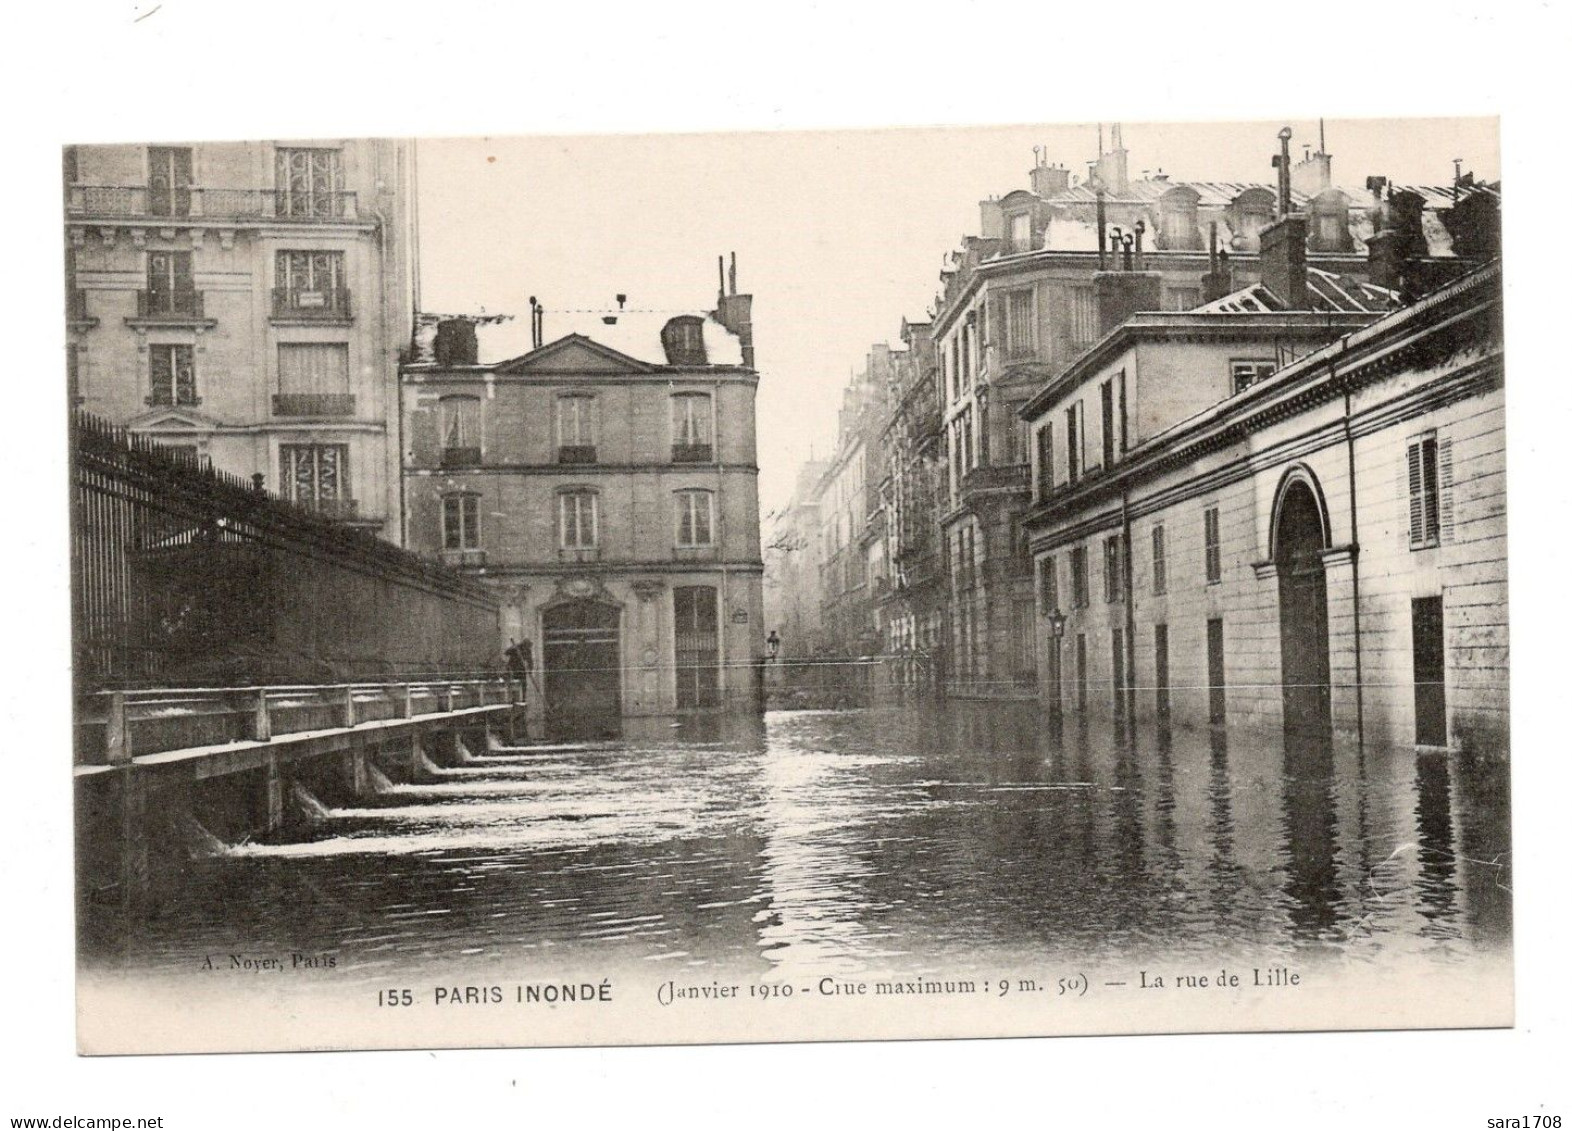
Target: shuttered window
[(1081, 589), (313, 367), (1214, 556), (1072, 441), (1113, 570), (1048, 585), (1045, 461), (1424, 493)]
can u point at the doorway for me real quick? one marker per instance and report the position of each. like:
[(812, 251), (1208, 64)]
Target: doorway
[(1301, 536), (1429, 672), (696, 608), (583, 670)]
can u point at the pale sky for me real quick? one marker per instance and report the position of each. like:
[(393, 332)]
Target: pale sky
[(838, 235)]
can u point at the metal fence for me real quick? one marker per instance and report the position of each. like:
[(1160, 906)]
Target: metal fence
[(183, 574)]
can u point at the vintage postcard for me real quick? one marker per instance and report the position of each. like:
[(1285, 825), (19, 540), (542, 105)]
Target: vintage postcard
[(535, 591)]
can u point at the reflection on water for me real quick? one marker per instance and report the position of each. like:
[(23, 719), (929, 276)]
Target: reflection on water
[(873, 840)]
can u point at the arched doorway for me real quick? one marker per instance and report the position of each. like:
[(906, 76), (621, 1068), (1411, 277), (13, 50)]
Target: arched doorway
[(1300, 535), (583, 669)]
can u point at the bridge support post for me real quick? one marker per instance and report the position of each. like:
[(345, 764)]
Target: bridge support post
[(134, 863), (359, 780), (274, 816)]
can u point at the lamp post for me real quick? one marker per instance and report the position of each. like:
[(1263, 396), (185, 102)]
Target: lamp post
[(1056, 621)]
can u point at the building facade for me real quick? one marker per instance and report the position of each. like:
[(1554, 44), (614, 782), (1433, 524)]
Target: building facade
[(1019, 302), (247, 302), (609, 493), (1252, 532)]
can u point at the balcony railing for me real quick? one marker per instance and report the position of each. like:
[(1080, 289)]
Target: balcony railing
[(460, 457), (139, 202), (340, 510), (692, 453), (462, 559), (313, 404), (329, 304), (182, 305), (576, 453), (1012, 476), (578, 553)]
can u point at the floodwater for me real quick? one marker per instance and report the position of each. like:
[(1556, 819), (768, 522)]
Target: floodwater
[(837, 841)]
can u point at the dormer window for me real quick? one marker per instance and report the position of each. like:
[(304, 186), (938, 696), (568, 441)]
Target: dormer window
[(1021, 232), (683, 339)]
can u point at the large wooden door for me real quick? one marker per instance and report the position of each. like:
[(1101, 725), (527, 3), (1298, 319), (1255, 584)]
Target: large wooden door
[(583, 670), (1301, 592)]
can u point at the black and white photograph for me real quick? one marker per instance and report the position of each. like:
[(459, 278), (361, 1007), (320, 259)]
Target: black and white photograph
[(701, 566), (511, 606)]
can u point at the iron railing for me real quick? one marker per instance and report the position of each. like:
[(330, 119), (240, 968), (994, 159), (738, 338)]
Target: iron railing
[(313, 404), (138, 202), (329, 304), (692, 453), (181, 572), (179, 303)]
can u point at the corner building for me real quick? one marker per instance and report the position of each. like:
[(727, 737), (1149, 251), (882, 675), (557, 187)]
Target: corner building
[(607, 488), (247, 303)]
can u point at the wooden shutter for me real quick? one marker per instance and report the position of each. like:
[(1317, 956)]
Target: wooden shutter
[(1444, 466), (1416, 495)]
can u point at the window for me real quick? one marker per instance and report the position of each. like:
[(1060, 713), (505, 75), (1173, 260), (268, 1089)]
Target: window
[(1048, 585), (459, 419), (1020, 339), (1045, 460), (1247, 373), (579, 525), (1214, 556), (1159, 561), (1081, 679), (313, 380), (309, 183), (461, 522), (691, 428), (1113, 569), (170, 290), (316, 476), (1182, 298), (310, 283), (168, 181), (1424, 493), (1021, 231), (1160, 667), (1081, 304), (1079, 583), (1117, 656), (695, 518), (173, 375), (575, 429), (1072, 441)]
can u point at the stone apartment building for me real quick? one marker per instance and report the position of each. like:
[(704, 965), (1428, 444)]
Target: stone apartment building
[(1284, 509), (247, 302), (605, 483), (1019, 303)]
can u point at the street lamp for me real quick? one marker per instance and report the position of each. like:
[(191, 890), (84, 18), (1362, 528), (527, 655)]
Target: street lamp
[(772, 643), (1056, 621)]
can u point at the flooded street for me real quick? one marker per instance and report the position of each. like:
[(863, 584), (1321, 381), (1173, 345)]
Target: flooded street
[(831, 842)]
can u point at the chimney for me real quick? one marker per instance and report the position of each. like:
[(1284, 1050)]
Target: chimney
[(1283, 261), (992, 219), (456, 343), (1048, 180), (1218, 280), (1102, 226), (1123, 293), (735, 312), (1282, 162)]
